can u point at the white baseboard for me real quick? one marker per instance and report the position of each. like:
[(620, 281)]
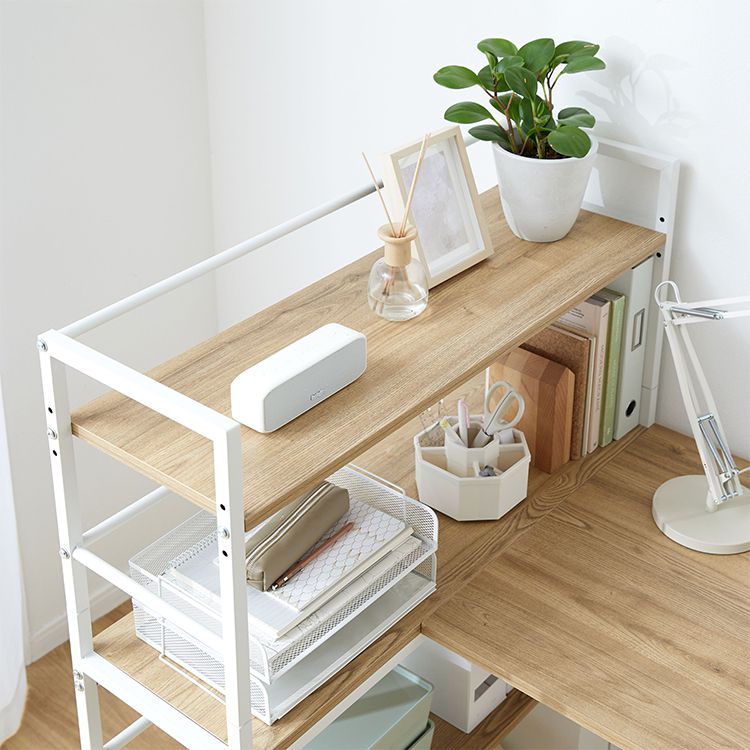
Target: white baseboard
[(55, 632)]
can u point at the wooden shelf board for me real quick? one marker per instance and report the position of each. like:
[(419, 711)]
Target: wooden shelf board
[(608, 622), (488, 734), (461, 546), (469, 321)]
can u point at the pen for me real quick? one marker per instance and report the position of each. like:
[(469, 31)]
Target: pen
[(284, 578), (463, 422)]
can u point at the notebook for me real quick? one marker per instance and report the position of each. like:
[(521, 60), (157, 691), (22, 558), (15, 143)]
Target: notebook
[(274, 613)]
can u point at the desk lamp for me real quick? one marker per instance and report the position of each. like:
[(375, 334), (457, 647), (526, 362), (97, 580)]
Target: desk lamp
[(712, 518)]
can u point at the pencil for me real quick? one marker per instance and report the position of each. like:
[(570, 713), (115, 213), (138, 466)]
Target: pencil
[(284, 578)]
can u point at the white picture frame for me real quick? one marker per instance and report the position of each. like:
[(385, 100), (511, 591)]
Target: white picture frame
[(452, 231)]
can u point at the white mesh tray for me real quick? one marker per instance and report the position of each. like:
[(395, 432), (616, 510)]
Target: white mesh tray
[(271, 702), (269, 661)]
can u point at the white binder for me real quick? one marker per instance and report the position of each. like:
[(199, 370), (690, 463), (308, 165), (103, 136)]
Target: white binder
[(635, 284)]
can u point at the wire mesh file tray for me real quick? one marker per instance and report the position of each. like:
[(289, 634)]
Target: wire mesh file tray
[(286, 669)]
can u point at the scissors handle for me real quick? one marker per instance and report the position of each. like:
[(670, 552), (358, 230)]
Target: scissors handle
[(511, 394)]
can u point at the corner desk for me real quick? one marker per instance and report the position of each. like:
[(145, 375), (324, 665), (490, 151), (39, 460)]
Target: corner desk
[(574, 597)]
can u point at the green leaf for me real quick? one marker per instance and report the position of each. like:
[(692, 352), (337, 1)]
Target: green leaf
[(497, 47), (576, 48), (569, 140), (579, 64), (537, 54), (486, 77), (576, 116), (456, 77), (512, 61), (465, 112), (522, 81), (490, 133)]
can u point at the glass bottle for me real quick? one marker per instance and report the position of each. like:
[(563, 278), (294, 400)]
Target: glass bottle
[(397, 288)]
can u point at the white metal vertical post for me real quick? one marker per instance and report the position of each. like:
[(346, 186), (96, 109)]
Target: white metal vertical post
[(67, 507), (666, 206), (661, 220), (230, 522)]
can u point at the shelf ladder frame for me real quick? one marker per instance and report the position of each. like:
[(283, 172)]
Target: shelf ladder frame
[(60, 349), (56, 352)]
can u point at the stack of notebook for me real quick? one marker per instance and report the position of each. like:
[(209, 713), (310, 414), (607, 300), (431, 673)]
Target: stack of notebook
[(335, 577)]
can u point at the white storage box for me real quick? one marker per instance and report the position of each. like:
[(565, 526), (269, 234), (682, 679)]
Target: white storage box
[(462, 693), (285, 671), (470, 498)]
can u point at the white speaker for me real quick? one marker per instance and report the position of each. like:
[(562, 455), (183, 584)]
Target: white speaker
[(277, 390)]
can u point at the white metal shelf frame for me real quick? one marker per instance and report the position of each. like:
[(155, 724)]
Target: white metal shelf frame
[(59, 349)]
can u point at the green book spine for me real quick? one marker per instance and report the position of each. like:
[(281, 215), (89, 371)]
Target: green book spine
[(612, 367)]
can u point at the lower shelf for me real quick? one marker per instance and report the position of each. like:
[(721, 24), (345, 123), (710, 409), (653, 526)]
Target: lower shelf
[(489, 733), (270, 703)]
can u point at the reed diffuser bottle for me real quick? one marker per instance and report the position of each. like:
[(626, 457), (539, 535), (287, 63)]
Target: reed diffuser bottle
[(397, 289)]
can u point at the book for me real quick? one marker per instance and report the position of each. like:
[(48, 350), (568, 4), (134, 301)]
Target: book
[(611, 369), (635, 284), (272, 614), (572, 350), (592, 316)]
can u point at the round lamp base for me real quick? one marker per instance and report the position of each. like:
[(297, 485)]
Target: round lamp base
[(679, 509)]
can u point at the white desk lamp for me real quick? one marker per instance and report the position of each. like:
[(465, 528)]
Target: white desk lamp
[(713, 518)]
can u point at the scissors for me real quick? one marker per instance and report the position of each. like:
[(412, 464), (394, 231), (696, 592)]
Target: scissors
[(494, 421)]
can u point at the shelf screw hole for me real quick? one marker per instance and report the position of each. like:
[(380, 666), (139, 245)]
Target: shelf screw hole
[(224, 552), (222, 506), (54, 453), (49, 409), (658, 255), (662, 219)]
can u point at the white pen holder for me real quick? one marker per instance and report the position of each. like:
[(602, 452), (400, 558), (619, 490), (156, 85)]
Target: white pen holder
[(457, 490), (460, 459)]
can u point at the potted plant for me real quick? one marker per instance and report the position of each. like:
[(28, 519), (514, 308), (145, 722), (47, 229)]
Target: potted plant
[(543, 158)]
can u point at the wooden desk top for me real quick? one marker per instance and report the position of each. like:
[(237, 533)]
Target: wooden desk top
[(598, 615), (470, 320), (462, 545)]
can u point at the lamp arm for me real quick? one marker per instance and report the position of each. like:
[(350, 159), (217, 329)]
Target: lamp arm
[(718, 464)]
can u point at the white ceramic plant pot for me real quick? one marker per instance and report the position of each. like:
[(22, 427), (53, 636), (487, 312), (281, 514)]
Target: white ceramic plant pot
[(542, 197)]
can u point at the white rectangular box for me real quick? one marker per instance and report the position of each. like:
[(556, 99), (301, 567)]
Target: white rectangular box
[(463, 693)]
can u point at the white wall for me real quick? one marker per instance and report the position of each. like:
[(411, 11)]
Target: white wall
[(105, 188), (297, 90)]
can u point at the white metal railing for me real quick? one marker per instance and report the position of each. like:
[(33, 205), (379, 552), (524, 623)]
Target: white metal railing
[(220, 259)]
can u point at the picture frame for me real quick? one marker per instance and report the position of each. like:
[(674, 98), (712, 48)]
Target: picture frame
[(452, 231)]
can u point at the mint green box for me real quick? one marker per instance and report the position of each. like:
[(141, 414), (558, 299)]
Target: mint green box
[(392, 715)]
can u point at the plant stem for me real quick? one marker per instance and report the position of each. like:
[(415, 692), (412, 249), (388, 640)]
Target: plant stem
[(511, 133)]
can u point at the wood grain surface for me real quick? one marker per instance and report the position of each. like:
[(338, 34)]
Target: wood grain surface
[(462, 548), (607, 621), (548, 390), (572, 350), (489, 733), (470, 320)]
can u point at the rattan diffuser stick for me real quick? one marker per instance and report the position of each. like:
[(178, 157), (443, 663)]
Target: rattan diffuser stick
[(409, 199)]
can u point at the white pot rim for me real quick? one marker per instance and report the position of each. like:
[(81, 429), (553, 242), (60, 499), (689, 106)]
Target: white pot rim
[(563, 160)]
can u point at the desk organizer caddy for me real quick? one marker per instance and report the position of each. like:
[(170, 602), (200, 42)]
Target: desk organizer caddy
[(471, 498), (284, 672)]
